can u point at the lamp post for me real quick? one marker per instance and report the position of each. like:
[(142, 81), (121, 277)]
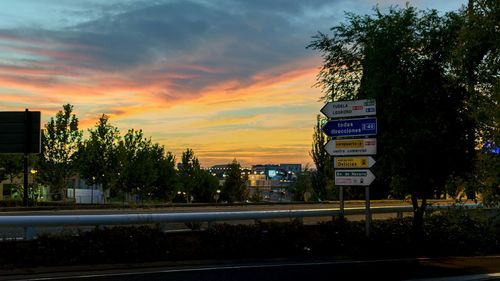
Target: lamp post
[(217, 195), (92, 191), (35, 187)]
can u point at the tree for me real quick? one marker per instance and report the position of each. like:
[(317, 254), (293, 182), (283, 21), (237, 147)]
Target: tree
[(189, 168), (477, 67), (234, 188), (168, 181), (137, 162), (302, 185), (206, 186), (402, 59), (322, 178), (60, 141), (11, 167), (97, 157)]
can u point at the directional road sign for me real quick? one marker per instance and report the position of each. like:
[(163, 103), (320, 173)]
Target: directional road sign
[(351, 127), (352, 147), (350, 108), (353, 162), (354, 177)]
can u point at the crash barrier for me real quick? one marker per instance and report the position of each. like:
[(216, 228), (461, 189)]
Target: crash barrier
[(31, 222)]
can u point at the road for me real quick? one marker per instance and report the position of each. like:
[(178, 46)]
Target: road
[(469, 268)]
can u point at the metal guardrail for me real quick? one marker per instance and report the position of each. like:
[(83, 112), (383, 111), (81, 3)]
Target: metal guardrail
[(29, 223)]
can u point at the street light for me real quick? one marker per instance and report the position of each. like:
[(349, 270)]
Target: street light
[(92, 191), (217, 195), (33, 173)]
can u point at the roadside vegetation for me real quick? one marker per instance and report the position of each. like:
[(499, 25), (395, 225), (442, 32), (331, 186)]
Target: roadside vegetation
[(455, 232)]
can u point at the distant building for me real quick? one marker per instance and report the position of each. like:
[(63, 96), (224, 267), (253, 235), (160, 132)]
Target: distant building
[(83, 193), (294, 168), (14, 190), (77, 190), (269, 182), (219, 171)]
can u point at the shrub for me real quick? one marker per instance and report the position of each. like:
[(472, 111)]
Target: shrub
[(455, 232)]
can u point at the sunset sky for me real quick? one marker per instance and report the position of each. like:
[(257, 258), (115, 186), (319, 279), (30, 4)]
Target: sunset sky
[(228, 79)]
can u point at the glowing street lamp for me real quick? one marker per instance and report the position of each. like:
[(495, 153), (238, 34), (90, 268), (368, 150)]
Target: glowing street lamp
[(217, 195)]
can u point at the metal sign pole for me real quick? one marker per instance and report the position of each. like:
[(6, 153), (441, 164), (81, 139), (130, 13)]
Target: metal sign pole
[(27, 133), (341, 199), (368, 213)]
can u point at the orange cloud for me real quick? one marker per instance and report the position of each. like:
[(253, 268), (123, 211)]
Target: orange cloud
[(268, 119)]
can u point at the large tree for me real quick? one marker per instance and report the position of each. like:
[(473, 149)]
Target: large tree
[(188, 170), (137, 163), (402, 59), (168, 181), (98, 158), (60, 141), (477, 67)]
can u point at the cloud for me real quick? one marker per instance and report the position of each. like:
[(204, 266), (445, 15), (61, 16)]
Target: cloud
[(181, 47)]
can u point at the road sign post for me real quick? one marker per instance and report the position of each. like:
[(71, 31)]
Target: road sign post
[(368, 214), (352, 160), (20, 134), (341, 200)]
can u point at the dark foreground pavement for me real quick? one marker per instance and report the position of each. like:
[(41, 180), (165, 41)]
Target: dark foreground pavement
[(278, 269)]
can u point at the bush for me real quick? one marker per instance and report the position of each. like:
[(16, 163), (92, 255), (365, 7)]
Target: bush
[(456, 232)]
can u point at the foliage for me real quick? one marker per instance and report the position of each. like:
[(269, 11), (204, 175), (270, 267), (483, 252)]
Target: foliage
[(190, 167), (11, 166), (60, 141), (138, 160), (455, 232), (402, 59), (322, 178), (301, 185), (488, 178), (167, 182), (234, 188), (477, 61), (206, 186), (97, 155)]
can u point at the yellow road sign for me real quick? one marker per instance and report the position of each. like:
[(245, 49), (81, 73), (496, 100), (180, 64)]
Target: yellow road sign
[(354, 162), (350, 147)]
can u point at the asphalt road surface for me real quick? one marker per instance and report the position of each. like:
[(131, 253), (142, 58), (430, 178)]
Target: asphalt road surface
[(470, 268)]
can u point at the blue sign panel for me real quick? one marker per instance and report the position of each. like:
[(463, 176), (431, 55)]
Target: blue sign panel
[(351, 127), (489, 147)]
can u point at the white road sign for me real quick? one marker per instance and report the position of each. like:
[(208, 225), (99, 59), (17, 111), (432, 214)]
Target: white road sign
[(354, 177), (339, 109)]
